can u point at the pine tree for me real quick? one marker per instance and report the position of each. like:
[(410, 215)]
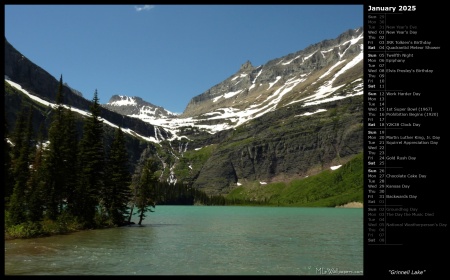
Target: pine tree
[(70, 150), (8, 180), (60, 158), (18, 204), (145, 191), (35, 183), (55, 186), (18, 133), (117, 192), (91, 164)]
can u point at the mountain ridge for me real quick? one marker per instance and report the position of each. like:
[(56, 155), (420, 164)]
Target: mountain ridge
[(254, 91), (292, 117)]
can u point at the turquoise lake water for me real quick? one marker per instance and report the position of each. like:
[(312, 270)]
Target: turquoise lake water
[(204, 240)]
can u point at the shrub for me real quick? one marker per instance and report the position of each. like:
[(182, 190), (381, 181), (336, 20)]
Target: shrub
[(24, 230)]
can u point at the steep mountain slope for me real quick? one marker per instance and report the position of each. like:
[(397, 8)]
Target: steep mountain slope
[(16, 98), (311, 74), (323, 72), (292, 117), (285, 144), (39, 83)]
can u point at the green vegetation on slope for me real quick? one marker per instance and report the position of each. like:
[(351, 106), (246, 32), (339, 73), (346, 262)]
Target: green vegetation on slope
[(192, 161), (327, 189)]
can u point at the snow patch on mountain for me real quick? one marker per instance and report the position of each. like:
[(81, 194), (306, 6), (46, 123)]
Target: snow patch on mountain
[(124, 101), (253, 92), (81, 112)]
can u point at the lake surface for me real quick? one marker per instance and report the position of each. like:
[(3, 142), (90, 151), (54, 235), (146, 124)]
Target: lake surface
[(204, 240)]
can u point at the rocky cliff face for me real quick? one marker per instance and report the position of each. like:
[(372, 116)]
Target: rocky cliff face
[(36, 80), (252, 87), (284, 145), (41, 84), (290, 118)]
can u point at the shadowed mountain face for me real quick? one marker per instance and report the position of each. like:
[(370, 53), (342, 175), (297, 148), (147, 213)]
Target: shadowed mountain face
[(39, 83), (289, 118)]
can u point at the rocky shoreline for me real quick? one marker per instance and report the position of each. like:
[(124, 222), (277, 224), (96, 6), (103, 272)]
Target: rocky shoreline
[(353, 204)]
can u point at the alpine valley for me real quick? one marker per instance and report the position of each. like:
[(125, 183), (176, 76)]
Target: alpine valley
[(288, 132)]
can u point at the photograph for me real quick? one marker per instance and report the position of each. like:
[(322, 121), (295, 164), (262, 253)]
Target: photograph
[(213, 139)]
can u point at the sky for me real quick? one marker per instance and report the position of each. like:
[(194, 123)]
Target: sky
[(165, 54)]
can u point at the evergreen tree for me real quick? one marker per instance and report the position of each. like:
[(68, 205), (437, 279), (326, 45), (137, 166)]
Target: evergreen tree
[(70, 150), (56, 181), (91, 164), (117, 193), (135, 181), (18, 204), (35, 184), (145, 191), (8, 180), (60, 159), (18, 133)]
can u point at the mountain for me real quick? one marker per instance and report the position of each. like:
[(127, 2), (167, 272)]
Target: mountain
[(310, 74), (289, 118), (318, 74), (131, 106), (40, 84), (293, 117)]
